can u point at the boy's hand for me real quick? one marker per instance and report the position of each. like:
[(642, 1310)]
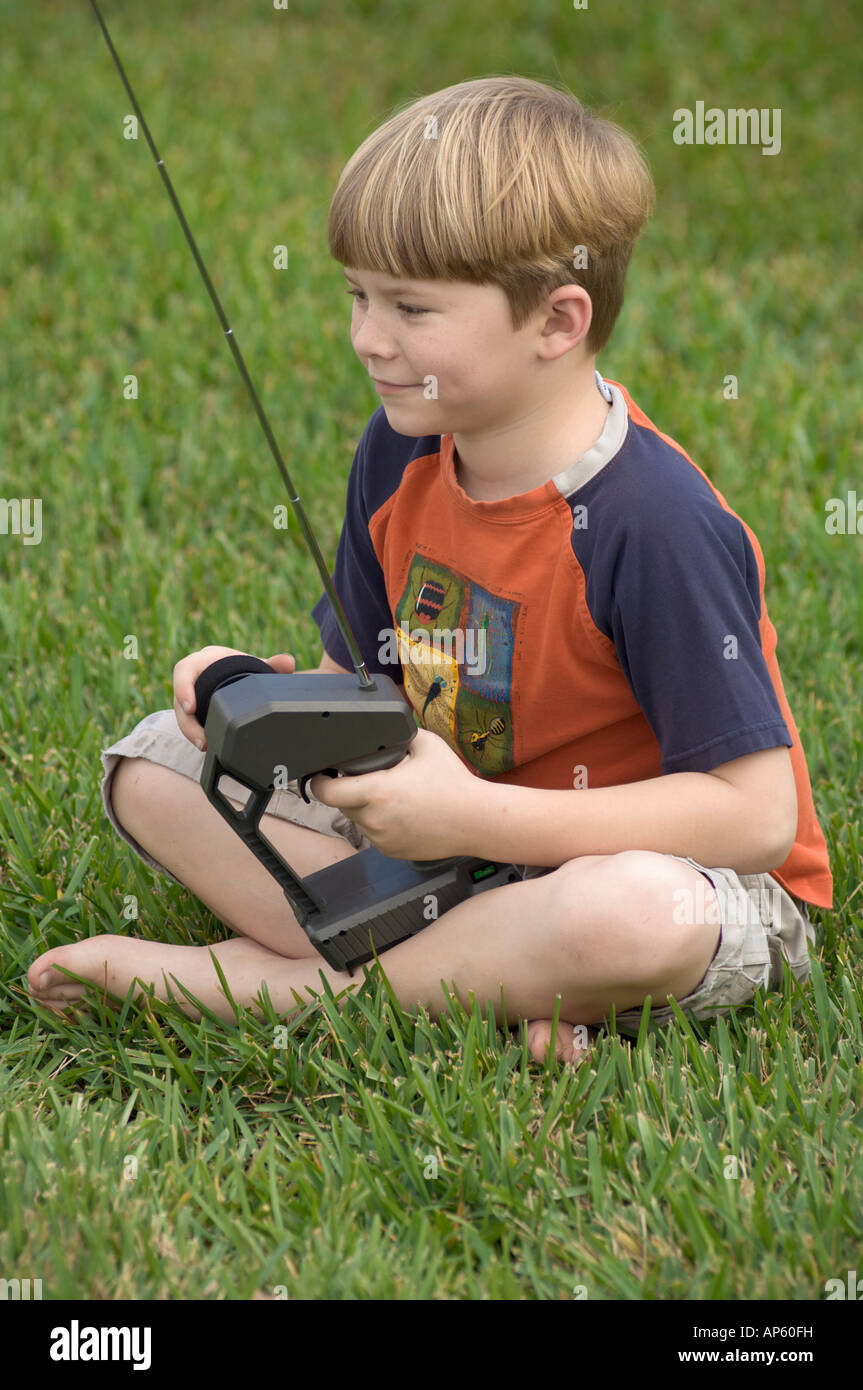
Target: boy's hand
[(187, 671), (419, 809)]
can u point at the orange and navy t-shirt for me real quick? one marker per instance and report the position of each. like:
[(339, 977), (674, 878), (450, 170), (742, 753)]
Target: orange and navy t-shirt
[(606, 627)]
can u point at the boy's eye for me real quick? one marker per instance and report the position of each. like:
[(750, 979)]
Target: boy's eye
[(410, 309)]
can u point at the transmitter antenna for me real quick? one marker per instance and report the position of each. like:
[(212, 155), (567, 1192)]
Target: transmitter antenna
[(299, 510)]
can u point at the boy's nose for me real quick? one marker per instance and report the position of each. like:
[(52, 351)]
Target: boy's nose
[(371, 344)]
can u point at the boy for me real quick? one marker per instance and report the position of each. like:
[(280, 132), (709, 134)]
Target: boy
[(576, 612)]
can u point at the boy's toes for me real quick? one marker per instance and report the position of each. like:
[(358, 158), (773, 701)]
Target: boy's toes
[(46, 982), (42, 981), (573, 1041), (41, 977)]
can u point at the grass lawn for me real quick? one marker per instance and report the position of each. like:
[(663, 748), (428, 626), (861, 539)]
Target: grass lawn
[(380, 1154)]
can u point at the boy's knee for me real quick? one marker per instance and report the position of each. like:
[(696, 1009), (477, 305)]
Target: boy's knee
[(136, 783), (627, 906), (122, 784), (603, 886), (140, 788)]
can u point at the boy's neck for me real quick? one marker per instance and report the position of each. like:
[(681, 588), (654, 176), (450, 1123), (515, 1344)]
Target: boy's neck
[(522, 456)]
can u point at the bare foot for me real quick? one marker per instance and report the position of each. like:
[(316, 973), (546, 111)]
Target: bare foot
[(114, 963), (573, 1042)]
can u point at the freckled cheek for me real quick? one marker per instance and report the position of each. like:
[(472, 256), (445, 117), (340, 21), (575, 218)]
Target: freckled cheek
[(479, 360), (467, 374)]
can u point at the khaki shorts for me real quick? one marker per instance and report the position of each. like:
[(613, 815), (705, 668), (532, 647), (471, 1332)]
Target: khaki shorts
[(762, 923)]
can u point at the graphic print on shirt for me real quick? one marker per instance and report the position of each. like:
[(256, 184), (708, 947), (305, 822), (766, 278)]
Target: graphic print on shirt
[(455, 642)]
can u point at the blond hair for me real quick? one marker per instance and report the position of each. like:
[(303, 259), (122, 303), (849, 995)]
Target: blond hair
[(498, 180)]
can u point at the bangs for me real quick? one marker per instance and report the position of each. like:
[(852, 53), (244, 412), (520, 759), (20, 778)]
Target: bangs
[(499, 180)]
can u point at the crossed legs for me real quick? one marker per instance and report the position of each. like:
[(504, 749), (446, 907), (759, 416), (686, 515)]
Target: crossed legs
[(599, 930)]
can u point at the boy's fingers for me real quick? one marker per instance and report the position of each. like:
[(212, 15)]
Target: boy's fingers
[(184, 698), (316, 787), (341, 792), (189, 726), (184, 689), (184, 705)]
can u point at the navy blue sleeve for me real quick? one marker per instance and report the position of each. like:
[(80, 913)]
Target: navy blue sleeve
[(677, 590), (358, 578)]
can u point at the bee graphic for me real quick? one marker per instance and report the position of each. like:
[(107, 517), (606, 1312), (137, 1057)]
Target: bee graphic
[(430, 599), (479, 738)]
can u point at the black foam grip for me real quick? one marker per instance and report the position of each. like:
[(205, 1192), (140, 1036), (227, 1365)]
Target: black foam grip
[(224, 672)]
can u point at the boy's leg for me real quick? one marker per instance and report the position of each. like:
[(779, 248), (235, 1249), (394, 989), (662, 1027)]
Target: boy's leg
[(596, 932), (599, 896), (169, 816), (156, 810), (765, 930)]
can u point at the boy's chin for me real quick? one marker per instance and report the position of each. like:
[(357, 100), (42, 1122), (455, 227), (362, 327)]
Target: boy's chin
[(405, 421)]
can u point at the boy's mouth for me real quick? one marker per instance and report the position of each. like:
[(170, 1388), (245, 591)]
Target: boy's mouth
[(392, 385)]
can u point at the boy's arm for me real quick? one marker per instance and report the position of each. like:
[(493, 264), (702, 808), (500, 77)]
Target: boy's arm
[(742, 815)]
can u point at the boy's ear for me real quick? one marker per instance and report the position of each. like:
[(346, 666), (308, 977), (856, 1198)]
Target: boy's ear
[(568, 313)]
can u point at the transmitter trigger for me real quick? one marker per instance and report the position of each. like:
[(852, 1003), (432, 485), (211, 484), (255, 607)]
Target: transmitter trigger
[(307, 777)]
